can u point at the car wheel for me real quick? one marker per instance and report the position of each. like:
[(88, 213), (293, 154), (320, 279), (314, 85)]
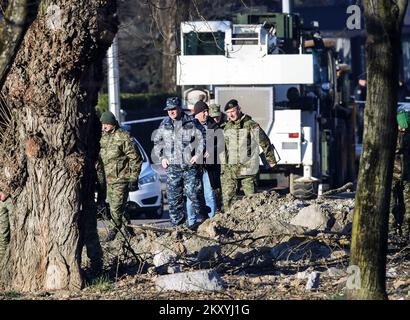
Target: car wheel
[(132, 211), (155, 214)]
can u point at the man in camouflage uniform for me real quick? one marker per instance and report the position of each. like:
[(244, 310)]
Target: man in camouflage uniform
[(400, 194), (120, 164), (243, 136), (216, 114), (179, 146), (6, 207)]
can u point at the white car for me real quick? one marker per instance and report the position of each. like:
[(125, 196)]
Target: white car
[(148, 199)]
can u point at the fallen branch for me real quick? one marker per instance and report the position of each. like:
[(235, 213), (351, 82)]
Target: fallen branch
[(346, 187)]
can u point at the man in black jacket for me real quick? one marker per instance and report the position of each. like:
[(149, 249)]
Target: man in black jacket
[(211, 168)]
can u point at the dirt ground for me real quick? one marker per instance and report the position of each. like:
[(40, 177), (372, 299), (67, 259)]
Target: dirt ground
[(256, 248)]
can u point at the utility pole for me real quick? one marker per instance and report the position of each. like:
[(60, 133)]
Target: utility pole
[(287, 6), (114, 104)]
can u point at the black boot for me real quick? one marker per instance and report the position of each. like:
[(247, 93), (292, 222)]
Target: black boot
[(194, 227), (129, 232), (96, 267)]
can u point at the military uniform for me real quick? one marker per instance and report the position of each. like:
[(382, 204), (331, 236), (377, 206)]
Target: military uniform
[(5, 208), (177, 141), (242, 140), (119, 165), (215, 111), (224, 120), (400, 194)]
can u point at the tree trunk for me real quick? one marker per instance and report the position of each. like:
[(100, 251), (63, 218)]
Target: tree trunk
[(171, 14), (48, 160), (17, 16), (370, 226)]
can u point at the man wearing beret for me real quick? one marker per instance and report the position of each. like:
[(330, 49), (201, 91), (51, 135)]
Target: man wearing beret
[(243, 137), (120, 166), (179, 146)]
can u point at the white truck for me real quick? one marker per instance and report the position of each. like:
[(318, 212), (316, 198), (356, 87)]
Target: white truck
[(285, 77)]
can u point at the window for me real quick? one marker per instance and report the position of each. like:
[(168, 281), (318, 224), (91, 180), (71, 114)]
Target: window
[(204, 43)]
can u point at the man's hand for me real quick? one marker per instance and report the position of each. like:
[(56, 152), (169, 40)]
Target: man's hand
[(273, 164), (194, 159), (164, 163), (206, 155), (3, 197), (133, 186)]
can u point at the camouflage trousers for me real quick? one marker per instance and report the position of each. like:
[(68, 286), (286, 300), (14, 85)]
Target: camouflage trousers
[(399, 220), (230, 183), (117, 195), (180, 179), (89, 236), (5, 208)]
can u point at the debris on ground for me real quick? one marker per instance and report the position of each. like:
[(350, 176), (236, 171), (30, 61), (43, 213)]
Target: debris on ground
[(268, 246), (202, 280)]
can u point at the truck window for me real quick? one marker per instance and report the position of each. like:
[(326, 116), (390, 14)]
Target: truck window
[(204, 43)]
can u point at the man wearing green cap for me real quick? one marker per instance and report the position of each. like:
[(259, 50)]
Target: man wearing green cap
[(243, 137), (120, 165), (5, 208), (216, 114), (399, 222)]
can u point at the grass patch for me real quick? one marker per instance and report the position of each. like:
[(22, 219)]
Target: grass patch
[(335, 297), (101, 284), (145, 104), (10, 295)]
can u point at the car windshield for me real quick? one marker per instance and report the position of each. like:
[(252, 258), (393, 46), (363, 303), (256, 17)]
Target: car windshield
[(141, 150)]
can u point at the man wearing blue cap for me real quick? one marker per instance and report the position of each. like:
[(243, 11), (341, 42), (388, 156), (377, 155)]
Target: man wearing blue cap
[(179, 145)]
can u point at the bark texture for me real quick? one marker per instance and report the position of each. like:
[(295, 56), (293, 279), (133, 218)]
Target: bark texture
[(48, 157), (370, 227), (17, 16)]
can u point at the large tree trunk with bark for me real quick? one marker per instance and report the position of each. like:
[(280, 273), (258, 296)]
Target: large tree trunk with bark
[(48, 160), (17, 15), (370, 226)]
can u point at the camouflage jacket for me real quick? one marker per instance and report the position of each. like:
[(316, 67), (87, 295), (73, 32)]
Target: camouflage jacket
[(401, 170), (242, 141), (120, 160), (224, 120), (179, 140)]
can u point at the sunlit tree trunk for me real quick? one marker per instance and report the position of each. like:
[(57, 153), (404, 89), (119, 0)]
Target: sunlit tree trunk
[(47, 160), (384, 20), (16, 17)]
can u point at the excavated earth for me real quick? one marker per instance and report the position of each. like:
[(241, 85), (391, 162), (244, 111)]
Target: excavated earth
[(268, 246)]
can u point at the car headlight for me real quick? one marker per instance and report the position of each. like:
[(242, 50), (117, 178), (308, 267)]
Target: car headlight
[(147, 179)]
